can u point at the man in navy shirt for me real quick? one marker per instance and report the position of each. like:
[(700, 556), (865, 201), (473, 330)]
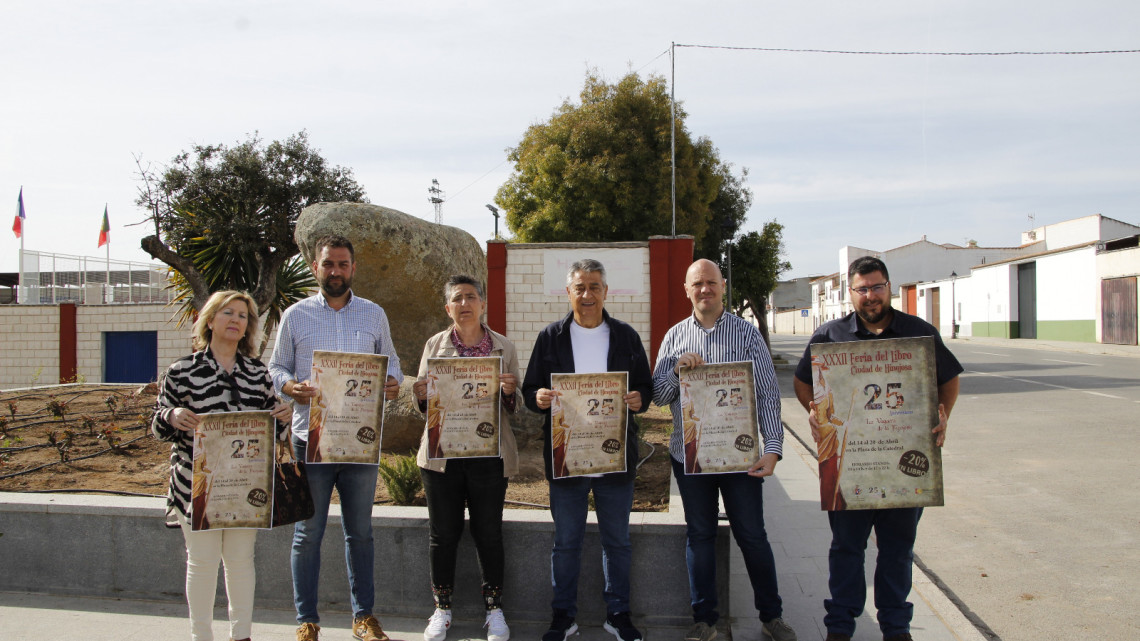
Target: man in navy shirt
[(895, 528)]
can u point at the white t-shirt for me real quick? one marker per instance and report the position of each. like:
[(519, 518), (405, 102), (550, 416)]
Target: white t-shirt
[(591, 353), (591, 348)]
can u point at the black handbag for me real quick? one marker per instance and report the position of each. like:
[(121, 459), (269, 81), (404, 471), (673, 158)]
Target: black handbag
[(292, 498)]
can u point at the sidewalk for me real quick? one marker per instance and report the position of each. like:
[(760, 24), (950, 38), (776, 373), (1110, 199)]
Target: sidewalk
[(800, 538), (1056, 346), (797, 529)]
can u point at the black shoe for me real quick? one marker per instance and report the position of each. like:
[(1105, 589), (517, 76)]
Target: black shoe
[(621, 627), (562, 626)]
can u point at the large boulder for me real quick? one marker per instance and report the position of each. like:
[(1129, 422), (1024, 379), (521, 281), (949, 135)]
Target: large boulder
[(402, 263)]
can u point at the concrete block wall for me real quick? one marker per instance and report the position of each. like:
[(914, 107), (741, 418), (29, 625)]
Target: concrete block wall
[(529, 308), (30, 335), (93, 320), (118, 547)]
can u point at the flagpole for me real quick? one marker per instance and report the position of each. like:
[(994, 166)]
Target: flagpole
[(21, 289), (107, 292)]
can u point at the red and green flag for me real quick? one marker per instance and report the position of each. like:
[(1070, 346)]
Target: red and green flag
[(105, 230)]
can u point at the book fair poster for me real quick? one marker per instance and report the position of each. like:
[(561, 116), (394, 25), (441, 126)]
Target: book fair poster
[(718, 414), (232, 482), (463, 407), (588, 423), (346, 417), (876, 404)]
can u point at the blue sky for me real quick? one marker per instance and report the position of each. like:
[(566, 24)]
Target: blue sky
[(872, 151)]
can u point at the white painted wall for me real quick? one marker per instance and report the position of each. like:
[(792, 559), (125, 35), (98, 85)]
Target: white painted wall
[(989, 294), (1079, 230), (1067, 286), (1118, 264)]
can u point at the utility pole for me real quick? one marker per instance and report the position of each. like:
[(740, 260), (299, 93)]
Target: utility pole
[(436, 199)]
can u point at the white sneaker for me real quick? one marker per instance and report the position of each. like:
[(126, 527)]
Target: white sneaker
[(438, 625), (496, 625)]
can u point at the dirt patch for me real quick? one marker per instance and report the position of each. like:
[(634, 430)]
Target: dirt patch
[(96, 439)]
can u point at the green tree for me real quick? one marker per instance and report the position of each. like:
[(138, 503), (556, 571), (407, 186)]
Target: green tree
[(224, 267), (216, 207), (599, 170), (729, 210), (757, 262)]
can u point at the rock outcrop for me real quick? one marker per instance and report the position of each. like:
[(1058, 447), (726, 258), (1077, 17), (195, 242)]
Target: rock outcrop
[(402, 263)]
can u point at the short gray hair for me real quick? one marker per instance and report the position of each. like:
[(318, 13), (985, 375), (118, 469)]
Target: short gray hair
[(586, 265), (462, 279)]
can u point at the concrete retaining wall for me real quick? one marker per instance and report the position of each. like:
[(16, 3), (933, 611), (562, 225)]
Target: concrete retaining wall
[(119, 547)]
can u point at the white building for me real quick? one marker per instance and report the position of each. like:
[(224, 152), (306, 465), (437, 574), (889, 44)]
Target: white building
[(1070, 281), (1079, 286)]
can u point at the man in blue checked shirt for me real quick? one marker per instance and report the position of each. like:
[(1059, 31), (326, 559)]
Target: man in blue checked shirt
[(712, 335), (333, 320)]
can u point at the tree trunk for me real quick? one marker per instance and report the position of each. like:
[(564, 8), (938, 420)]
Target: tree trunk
[(158, 249), (761, 321)]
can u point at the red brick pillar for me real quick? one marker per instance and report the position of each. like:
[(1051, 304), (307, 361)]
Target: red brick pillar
[(68, 359), (497, 285), (669, 258)]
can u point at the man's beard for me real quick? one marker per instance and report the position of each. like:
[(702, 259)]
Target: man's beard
[(871, 319), (336, 291)]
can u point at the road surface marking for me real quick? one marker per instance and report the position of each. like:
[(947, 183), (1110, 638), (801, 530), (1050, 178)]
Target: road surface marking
[(1026, 380), (1033, 382), (1054, 360), (992, 354)]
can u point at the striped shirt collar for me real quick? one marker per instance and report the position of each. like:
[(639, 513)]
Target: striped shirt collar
[(719, 320)]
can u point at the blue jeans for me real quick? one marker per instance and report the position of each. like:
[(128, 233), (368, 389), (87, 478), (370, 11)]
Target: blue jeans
[(895, 531), (569, 504), (744, 503), (356, 485)]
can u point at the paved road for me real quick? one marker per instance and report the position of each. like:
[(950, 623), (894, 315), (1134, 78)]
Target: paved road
[(1040, 535)]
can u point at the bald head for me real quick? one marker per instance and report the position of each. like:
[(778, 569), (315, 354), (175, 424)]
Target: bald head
[(703, 264), (704, 286)]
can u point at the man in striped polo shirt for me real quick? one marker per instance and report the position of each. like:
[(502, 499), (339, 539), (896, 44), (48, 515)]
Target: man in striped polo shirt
[(712, 335)]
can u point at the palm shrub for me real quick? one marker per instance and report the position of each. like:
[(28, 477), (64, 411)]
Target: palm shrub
[(402, 478)]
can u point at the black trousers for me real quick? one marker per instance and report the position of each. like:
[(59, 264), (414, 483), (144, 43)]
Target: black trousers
[(478, 485)]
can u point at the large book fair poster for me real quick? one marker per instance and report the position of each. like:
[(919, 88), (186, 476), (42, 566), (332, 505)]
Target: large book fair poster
[(232, 482), (718, 415), (463, 407), (876, 403), (346, 417), (588, 423)]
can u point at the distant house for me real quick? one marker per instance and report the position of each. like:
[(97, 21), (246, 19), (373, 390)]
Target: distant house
[(1075, 281), (1080, 285)]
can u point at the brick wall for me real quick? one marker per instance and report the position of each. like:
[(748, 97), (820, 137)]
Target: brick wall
[(530, 306)]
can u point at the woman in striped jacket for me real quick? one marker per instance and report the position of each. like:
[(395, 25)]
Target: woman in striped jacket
[(221, 375)]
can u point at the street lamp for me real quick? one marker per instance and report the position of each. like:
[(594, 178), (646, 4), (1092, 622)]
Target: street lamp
[(495, 213), (953, 305)]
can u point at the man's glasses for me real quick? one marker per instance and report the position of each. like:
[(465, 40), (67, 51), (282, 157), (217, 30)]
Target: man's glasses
[(877, 289)]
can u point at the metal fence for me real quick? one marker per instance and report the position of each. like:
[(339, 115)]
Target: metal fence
[(58, 278)]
